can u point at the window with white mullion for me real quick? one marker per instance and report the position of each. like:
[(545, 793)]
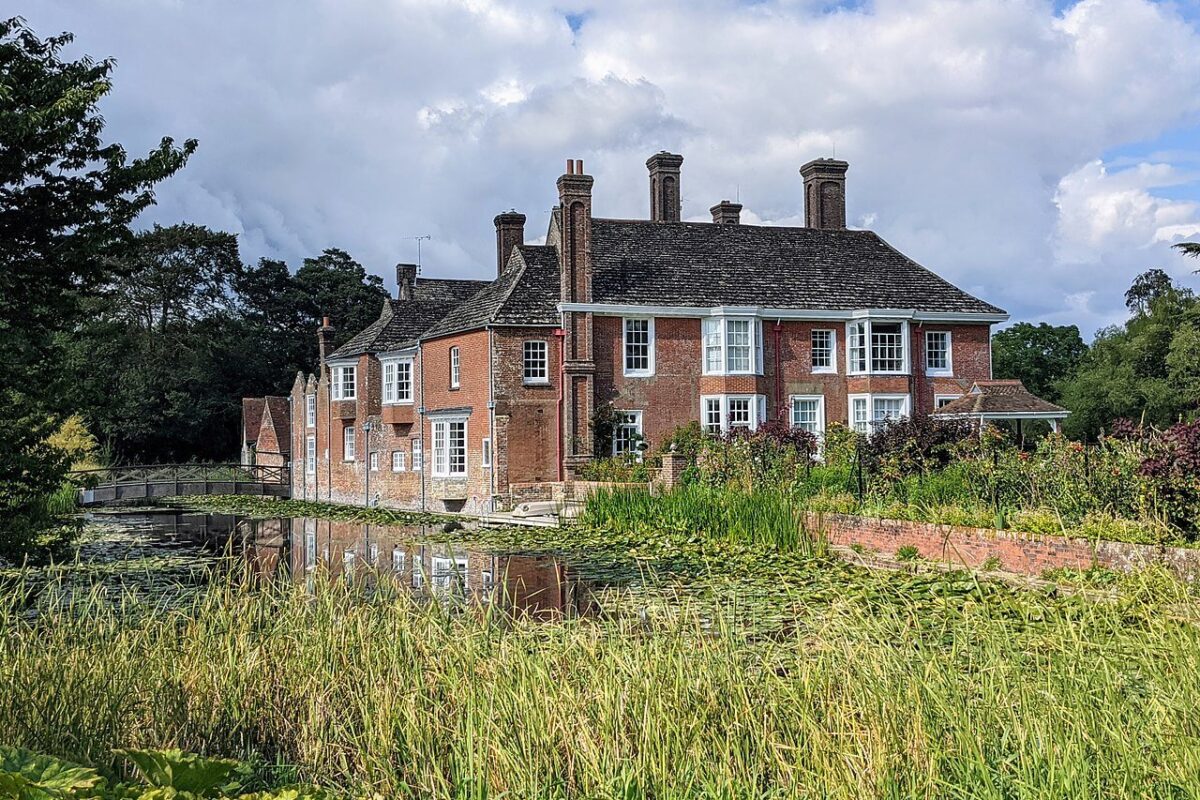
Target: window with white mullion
[(535, 362), (343, 381), (310, 410), (449, 448), (714, 346), (627, 434), (938, 353), (875, 347), (868, 412), (397, 381), (711, 414), (739, 345), (808, 413), (824, 351), (732, 346), (638, 346)]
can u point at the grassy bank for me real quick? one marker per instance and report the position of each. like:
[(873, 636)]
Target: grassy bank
[(865, 694)]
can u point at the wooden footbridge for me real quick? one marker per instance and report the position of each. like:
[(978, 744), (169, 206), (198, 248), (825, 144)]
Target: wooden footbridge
[(147, 481)]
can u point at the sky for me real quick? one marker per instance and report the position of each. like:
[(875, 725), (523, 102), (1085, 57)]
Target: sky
[(1038, 154)]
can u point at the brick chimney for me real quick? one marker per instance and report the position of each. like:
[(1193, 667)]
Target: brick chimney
[(575, 444), (664, 186), (510, 232), (323, 334), (727, 213), (825, 193), (406, 279)]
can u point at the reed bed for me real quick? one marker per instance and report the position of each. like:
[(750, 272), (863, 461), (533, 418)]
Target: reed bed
[(381, 694)]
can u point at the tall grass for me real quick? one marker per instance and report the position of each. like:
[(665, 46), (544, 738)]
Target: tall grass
[(762, 517), (415, 701)]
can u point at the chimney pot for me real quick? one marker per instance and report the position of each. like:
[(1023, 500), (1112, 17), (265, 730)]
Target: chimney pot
[(664, 186), (406, 279), (510, 233), (579, 166), (825, 193), (726, 213)]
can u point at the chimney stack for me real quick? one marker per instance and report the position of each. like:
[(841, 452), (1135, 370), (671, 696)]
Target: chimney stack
[(406, 279), (825, 193), (323, 334), (510, 233), (727, 213), (664, 186)]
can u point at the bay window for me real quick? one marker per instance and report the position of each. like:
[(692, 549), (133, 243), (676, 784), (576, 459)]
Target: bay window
[(870, 411), (876, 347), (398, 381), (638, 346), (344, 381), (721, 413), (449, 448), (732, 346)]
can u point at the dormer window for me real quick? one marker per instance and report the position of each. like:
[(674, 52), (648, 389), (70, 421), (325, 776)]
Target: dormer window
[(876, 347)]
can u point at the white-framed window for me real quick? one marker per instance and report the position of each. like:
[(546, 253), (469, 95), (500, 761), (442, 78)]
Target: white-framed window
[(710, 414), (638, 345), (418, 572), (485, 456), (449, 448), (310, 549), (868, 411), (939, 357), (722, 412), (824, 350), (398, 559), (535, 362), (418, 455), (310, 455), (808, 412), (348, 434), (449, 574), (345, 382), (627, 434), (455, 369), (732, 345), (398, 381), (399, 457), (940, 400), (373, 553), (348, 558), (373, 458), (310, 410), (877, 347)]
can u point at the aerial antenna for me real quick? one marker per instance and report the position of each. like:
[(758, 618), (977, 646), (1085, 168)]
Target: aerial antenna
[(419, 239), (737, 193)]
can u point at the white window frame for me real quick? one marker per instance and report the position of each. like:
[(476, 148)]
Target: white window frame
[(710, 404), (343, 381), (940, 400), (418, 455), (820, 421), (391, 385), (310, 455), (373, 460), (399, 557), (455, 368), (623, 423), (446, 570), (399, 461), (534, 379), (949, 368), (870, 400), (714, 335), (867, 327), (310, 410), (758, 410), (485, 455), (649, 369), (349, 443), (442, 454), (832, 368)]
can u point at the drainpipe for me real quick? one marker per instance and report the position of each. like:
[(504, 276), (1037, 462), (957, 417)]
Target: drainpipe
[(491, 419), (421, 418), (778, 370), (560, 334)]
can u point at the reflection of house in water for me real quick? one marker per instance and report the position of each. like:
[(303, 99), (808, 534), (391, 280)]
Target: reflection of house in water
[(538, 585)]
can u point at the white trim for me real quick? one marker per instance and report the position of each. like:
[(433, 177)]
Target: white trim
[(396, 361), (821, 422), (870, 400), (947, 370), (485, 454), (1003, 415), (905, 346), (455, 360), (403, 465), (833, 352), (445, 472), (310, 454), (637, 425), (352, 440), (310, 411), (545, 379), (722, 324), (637, 373), (337, 384), (766, 312), (758, 409), (937, 397)]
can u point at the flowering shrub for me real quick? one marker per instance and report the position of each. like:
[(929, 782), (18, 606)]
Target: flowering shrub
[(914, 445), (773, 455), (1172, 472)]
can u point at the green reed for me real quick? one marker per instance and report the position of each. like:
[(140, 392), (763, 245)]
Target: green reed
[(888, 698)]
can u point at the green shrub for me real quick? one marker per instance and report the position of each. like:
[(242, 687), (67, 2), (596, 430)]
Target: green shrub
[(618, 469)]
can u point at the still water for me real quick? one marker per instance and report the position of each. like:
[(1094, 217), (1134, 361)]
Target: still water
[(164, 550)]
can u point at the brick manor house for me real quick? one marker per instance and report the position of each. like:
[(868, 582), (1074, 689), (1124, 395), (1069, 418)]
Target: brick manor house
[(463, 390)]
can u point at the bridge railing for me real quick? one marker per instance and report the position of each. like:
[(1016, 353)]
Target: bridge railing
[(183, 473)]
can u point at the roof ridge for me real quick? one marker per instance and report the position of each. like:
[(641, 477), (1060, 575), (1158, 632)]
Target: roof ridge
[(512, 288)]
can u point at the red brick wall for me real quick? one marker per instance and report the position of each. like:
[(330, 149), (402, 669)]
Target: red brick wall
[(526, 415), (1025, 553)]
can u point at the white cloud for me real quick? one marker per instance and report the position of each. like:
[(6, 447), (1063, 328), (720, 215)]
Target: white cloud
[(358, 124)]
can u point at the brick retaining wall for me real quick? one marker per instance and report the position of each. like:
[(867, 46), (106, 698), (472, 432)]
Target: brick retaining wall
[(1027, 553)]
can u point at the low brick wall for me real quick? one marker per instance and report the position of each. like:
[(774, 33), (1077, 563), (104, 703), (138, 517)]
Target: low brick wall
[(561, 491), (1027, 553)]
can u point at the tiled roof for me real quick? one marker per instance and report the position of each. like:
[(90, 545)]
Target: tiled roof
[(278, 413), (401, 322), (252, 411), (526, 293), (702, 264), (1000, 397)]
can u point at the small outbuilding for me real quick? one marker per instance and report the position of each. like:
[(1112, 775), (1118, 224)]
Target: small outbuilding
[(1003, 401)]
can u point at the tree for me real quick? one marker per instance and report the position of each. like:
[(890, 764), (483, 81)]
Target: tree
[(1146, 288), (1040, 356), (335, 285), (1189, 249)]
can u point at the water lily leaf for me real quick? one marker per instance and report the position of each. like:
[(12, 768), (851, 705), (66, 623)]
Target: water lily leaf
[(186, 772), (25, 774)]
